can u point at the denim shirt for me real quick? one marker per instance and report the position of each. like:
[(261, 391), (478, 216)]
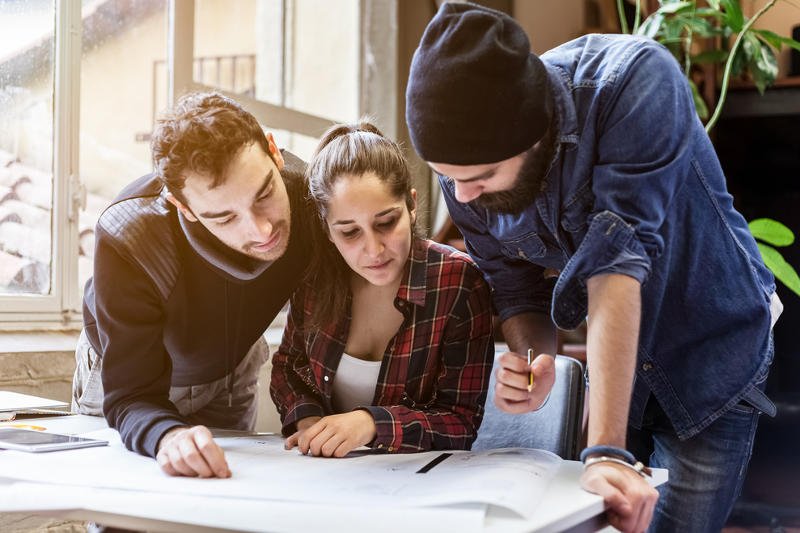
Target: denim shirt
[(635, 188)]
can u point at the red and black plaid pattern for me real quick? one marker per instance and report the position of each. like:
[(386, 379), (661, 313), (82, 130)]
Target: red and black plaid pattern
[(435, 372)]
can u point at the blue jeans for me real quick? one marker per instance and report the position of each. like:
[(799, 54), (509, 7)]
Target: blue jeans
[(706, 472)]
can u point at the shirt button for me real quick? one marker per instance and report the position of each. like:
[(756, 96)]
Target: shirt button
[(380, 445), (326, 378), (521, 253), (390, 448), (647, 367)]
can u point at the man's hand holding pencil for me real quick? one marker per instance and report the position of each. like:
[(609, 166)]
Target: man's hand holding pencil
[(523, 383)]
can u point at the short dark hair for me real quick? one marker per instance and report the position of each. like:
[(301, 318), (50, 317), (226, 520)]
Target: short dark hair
[(202, 133), (354, 150)]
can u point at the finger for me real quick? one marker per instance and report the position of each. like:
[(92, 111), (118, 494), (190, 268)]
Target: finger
[(330, 446), (616, 521), (639, 494), (510, 394), (513, 361), (211, 453), (544, 365), (304, 442), (513, 379), (176, 460), (163, 461), (605, 485), (631, 523), (344, 448), (291, 441), (648, 507), (639, 519), (316, 444), (651, 509), (193, 458), (512, 407)]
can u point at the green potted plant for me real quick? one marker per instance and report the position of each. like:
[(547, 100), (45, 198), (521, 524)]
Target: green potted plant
[(717, 33)]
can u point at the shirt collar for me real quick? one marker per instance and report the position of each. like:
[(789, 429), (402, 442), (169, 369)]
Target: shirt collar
[(413, 288), (564, 106)]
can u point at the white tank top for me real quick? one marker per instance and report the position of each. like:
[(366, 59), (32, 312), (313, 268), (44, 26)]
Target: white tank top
[(355, 383)]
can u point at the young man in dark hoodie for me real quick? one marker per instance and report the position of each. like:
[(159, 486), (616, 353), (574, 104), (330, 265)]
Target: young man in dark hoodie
[(192, 263)]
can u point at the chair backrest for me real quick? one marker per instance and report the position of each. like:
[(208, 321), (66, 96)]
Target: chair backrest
[(555, 427)]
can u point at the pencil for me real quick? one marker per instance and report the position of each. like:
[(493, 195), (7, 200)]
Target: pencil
[(530, 370)]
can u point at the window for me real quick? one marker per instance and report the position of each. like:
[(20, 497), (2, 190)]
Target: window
[(37, 184), (82, 82), (296, 70)]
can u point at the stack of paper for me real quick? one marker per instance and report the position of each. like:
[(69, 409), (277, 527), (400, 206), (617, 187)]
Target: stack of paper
[(12, 403)]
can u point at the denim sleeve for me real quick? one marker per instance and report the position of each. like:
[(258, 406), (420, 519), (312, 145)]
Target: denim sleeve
[(643, 157), (518, 286)]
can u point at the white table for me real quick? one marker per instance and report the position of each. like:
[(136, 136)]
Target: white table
[(565, 506)]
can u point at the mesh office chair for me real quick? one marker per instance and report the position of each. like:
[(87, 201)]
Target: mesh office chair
[(556, 427)]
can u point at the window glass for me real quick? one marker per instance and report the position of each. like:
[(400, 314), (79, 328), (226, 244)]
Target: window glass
[(323, 49), (26, 145), (286, 52), (300, 145), (123, 87)]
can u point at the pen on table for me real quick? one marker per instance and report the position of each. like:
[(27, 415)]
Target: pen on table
[(530, 370), (438, 459)]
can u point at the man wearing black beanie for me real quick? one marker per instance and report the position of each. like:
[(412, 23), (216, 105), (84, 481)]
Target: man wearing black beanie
[(590, 161)]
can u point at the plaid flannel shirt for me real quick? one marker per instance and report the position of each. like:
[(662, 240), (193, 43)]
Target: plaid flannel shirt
[(435, 372)]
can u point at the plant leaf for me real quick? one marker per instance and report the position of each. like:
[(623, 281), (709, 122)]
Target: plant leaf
[(739, 62), (771, 231), (733, 14), (710, 11), (761, 62), (714, 4), (674, 7), (710, 56), (782, 270), (776, 41), (699, 104), (700, 27), (651, 25)]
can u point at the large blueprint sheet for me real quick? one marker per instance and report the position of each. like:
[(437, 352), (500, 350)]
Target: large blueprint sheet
[(509, 478)]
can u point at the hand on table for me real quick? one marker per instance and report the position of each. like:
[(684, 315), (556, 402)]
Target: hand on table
[(630, 498), (511, 392), (191, 451), (301, 426), (334, 435)]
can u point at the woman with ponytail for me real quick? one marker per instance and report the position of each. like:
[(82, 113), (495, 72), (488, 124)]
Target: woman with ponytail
[(388, 342)]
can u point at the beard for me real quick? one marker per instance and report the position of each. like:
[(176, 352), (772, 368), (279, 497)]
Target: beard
[(528, 183)]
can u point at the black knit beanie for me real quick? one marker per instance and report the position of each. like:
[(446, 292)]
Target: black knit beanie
[(476, 94)]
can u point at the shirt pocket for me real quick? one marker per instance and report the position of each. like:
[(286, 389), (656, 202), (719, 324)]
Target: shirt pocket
[(575, 214), (526, 247)]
